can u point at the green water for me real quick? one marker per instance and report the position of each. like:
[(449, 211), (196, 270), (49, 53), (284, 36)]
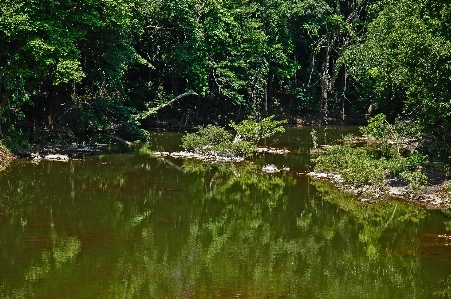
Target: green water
[(133, 226)]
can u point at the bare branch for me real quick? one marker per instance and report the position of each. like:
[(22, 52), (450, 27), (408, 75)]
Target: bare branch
[(176, 99), (155, 27)]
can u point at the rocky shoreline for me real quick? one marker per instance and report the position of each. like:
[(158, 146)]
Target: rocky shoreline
[(213, 157), (434, 196), (59, 152)]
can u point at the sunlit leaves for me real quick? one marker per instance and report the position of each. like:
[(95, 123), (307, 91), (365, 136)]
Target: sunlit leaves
[(407, 49), (13, 19), (68, 70)]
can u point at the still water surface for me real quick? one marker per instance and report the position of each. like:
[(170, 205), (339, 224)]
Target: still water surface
[(128, 225)]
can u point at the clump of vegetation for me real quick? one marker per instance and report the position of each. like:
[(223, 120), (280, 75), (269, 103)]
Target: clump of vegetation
[(447, 189), (209, 138), (385, 156), (252, 131), (217, 140), (402, 135), (5, 155)]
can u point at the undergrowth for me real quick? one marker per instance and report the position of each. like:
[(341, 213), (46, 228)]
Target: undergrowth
[(384, 156), (217, 140)]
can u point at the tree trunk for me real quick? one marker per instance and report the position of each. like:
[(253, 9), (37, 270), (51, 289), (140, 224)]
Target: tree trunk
[(3, 101), (325, 81)]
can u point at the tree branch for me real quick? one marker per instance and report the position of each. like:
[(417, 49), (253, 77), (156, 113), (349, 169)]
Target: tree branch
[(176, 99), (154, 27), (148, 113)]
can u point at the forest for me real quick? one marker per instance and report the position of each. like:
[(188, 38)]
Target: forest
[(69, 68)]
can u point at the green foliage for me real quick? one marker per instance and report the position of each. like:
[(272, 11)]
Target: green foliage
[(252, 131), (215, 139), (405, 61), (53, 53), (357, 166), (5, 155), (239, 148), (206, 139), (379, 128), (381, 131), (379, 160), (225, 51), (417, 180), (239, 57)]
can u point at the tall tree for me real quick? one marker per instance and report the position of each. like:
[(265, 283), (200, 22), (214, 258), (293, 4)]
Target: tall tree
[(406, 61), (229, 52), (48, 48)]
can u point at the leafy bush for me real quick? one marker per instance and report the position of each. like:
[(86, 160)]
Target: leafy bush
[(252, 131), (379, 160), (207, 139), (242, 148), (417, 180), (215, 139), (387, 135), (361, 165), (356, 165)]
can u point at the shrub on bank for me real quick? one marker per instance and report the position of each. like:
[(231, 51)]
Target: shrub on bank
[(218, 141), (5, 155), (380, 159)]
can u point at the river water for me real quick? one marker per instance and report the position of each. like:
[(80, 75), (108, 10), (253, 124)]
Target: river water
[(129, 225)]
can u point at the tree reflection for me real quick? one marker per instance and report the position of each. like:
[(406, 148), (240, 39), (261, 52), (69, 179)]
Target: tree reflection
[(133, 226)]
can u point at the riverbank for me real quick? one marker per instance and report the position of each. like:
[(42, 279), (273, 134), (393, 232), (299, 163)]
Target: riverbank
[(5, 156), (436, 195), (59, 151)]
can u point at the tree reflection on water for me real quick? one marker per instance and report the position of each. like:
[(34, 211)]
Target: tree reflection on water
[(134, 226)]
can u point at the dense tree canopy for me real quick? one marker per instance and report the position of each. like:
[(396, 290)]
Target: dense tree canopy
[(405, 60), (96, 65)]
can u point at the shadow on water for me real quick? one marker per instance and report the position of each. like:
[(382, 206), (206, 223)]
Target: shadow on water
[(131, 225)]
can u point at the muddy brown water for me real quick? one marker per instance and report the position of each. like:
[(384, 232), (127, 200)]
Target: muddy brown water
[(129, 225)]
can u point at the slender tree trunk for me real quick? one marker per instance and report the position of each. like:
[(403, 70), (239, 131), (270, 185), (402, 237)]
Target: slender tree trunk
[(3, 101), (1, 116), (325, 81)]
